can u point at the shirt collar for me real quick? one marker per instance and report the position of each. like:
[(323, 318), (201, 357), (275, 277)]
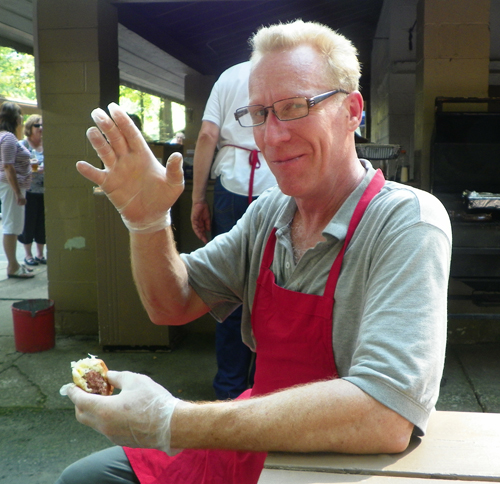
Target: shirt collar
[(337, 227)]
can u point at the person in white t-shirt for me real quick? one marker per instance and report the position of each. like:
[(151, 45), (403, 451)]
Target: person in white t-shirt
[(241, 175)]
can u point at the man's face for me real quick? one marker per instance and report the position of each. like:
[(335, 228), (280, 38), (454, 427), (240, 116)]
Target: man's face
[(303, 154)]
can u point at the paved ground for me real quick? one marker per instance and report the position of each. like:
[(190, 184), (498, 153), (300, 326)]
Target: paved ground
[(39, 433)]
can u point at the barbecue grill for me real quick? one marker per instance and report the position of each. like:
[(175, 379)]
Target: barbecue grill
[(379, 155), (465, 176)]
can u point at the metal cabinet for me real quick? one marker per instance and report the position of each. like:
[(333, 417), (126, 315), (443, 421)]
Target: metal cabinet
[(123, 322)]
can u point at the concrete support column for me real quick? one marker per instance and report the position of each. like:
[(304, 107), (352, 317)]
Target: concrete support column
[(197, 88), (166, 127), (453, 50), (76, 47)]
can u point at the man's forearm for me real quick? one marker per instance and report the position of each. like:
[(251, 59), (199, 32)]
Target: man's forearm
[(201, 172), (162, 280), (203, 158), (332, 416)]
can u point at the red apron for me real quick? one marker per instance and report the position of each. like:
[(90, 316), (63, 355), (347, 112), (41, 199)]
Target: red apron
[(293, 333)]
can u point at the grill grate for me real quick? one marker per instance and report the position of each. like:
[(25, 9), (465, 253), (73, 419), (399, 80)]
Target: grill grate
[(371, 151)]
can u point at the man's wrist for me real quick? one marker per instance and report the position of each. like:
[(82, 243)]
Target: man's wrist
[(168, 411), (148, 227), (182, 407)]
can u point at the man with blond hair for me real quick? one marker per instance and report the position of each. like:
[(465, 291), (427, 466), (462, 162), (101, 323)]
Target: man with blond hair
[(342, 278)]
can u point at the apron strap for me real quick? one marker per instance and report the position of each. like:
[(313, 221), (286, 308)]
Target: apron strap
[(267, 258), (254, 162), (371, 190)]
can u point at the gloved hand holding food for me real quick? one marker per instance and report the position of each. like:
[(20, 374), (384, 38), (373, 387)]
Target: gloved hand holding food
[(139, 416)]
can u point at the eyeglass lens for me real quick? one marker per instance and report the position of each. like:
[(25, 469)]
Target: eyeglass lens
[(37, 125), (285, 110)]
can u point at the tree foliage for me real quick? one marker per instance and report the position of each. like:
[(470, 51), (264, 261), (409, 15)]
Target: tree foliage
[(145, 105), (17, 75), (17, 82), (149, 109)]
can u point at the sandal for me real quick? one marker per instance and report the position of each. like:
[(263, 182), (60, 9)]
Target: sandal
[(21, 273), (41, 260), (29, 261)]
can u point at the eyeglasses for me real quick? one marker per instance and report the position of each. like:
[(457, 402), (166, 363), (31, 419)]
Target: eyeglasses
[(37, 125), (285, 110)]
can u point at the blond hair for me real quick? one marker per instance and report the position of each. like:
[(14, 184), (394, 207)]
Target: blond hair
[(341, 61), (28, 125)]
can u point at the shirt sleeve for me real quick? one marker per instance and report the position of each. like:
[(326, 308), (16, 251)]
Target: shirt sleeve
[(213, 111), (224, 272), (218, 271), (8, 149), (399, 350)]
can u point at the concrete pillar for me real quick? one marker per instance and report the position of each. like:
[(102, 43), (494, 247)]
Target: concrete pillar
[(166, 129), (393, 78), (453, 51), (76, 50), (197, 90)]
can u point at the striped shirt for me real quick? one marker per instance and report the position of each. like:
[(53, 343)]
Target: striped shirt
[(12, 153)]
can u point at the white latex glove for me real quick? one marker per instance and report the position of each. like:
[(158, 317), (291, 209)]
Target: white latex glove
[(139, 416), (137, 184)]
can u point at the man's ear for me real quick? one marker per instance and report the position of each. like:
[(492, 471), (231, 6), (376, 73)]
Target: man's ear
[(354, 103)]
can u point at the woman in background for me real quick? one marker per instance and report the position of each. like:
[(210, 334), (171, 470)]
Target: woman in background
[(34, 221), (15, 179)]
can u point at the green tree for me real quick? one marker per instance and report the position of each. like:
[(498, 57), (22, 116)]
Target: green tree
[(149, 108), (17, 75), (145, 106)]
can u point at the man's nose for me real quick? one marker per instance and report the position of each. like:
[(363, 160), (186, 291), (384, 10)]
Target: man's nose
[(275, 131)]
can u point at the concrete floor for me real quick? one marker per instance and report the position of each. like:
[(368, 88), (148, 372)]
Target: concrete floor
[(39, 433)]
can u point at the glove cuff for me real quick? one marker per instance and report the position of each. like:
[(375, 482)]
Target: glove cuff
[(168, 410), (149, 227)]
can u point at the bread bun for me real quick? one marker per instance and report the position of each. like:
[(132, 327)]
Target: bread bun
[(90, 374)]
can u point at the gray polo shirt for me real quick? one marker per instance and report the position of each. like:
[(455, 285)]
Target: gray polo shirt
[(390, 312)]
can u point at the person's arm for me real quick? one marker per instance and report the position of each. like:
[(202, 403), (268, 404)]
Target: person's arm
[(143, 191), (10, 174), (202, 162), (330, 416), (162, 279)]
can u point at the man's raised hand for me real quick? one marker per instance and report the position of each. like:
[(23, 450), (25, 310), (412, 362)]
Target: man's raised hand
[(138, 185)]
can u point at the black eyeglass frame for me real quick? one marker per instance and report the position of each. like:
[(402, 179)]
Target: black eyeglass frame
[(240, 112), (37, 125)]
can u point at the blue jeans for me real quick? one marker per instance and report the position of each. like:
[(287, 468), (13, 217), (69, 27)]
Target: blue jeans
[(234, 358)]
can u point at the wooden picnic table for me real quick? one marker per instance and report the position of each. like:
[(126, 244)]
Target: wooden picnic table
[(458, 446)]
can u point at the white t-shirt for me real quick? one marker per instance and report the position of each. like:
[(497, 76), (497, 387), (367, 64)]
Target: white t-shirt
[(229, 93)]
